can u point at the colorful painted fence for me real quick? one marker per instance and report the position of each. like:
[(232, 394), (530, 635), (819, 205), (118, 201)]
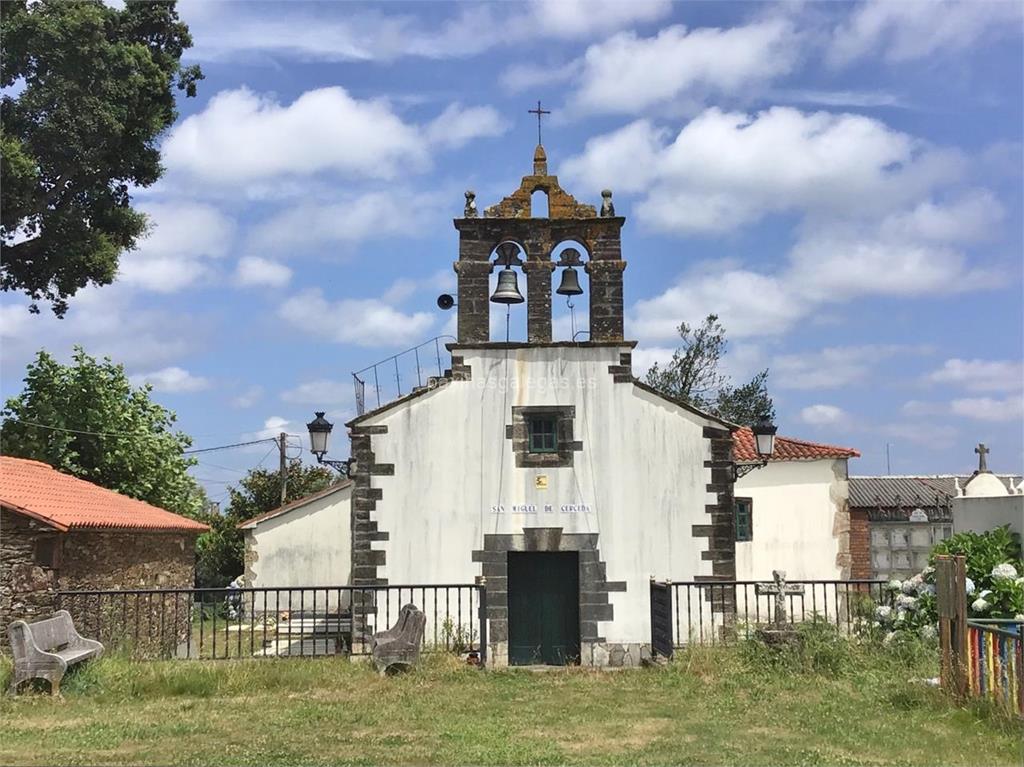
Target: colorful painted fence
[(995, 662)]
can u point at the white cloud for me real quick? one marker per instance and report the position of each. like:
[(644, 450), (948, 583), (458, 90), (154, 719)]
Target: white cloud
[(248, 397), (242, 137), (644, 358), (1008, 410), (272, 428), (173, 380), (522, 77), (106, 321), (929, 435), (627, 74), (253, 270), (245, 138), (458, 125), (724, 170), (904, 31), (347, 220), (361, 322), (823, 415), (879, 212), (182, 236), (338, 32), (321, 392), (833, 367), (980, 375)]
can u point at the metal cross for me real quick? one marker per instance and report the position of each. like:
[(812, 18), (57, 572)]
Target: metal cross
[(779, 589), (982, 451), (539, 112)]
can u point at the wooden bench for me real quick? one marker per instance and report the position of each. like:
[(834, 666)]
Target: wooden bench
[(45, 649), (398, 648)]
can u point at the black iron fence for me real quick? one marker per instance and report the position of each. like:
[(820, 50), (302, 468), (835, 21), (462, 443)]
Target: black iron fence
[(713, 612), (275, 622), (400, 373)]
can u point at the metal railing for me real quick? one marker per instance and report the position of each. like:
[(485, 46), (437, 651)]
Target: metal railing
[(306, 621), (995, 662), (385, 377), (716, 612)]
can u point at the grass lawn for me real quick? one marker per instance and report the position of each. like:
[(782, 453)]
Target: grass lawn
[(712, 706)]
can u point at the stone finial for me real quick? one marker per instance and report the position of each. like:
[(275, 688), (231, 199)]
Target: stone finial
[(470, 211), (607, 206), (956, 486)]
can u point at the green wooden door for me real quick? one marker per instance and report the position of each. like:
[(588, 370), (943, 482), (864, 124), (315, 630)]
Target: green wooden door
[(543, 608)]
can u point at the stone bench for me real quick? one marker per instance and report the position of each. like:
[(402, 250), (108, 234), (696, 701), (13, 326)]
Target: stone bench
[(45, 649), (398, 648)]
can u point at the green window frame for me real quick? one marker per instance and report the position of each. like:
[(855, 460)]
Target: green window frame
[(542, 433), (743, 509)]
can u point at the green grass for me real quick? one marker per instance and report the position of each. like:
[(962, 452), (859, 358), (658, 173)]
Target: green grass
[(712, 706)]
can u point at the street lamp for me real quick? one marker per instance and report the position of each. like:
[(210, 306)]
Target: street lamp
[(319, 437), (764, 443)]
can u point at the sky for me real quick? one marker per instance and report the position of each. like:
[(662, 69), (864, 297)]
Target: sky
[(840, 183)]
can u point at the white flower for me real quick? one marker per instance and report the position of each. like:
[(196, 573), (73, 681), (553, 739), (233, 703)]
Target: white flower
[(1019, 617), (970, 586), (901, 616), (928, 633), (985, 593), (928, 571), (980, 605), (883, 613), (1019, 581), (1004, 572), (889, 638), (895, 585), (928, 589), (906, 602), (911, 586)]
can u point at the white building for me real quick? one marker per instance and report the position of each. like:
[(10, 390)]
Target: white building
[(548, 469), (987, 501), (793, 514)]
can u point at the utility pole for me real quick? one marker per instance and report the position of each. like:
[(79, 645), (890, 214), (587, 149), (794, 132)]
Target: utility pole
[(281, 446)]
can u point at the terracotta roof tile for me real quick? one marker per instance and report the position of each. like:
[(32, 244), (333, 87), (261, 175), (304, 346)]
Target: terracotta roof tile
[(38, 490), (786, 448)]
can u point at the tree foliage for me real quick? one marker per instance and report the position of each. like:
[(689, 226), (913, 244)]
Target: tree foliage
[(101, 428), (220, 552), (92, 89), (694, 376)]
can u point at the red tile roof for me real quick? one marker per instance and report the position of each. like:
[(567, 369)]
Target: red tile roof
[(38, 490), (786, 448)]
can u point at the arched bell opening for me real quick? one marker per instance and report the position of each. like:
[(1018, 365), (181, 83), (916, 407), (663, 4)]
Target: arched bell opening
[(539, 204), (570, 299), (507, 312)]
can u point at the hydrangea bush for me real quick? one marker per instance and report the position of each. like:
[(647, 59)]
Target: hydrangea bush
[(995, 586)]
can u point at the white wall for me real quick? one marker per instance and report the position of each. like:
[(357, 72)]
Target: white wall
[(641, 471), (982, 514), (800, 520), (307, 546)]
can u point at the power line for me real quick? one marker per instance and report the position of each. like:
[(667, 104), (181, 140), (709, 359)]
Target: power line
[(75, 431), (229, 447)]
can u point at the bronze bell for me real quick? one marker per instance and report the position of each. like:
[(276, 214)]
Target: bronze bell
[(570, 285), (507, 291)]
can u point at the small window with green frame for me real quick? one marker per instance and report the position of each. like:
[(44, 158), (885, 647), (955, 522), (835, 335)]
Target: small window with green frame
[(744, 519), (542, 433)]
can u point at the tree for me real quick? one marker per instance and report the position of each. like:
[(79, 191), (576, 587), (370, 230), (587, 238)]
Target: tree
[(88, 420), (93, 89), (693, 376), (220, 553)]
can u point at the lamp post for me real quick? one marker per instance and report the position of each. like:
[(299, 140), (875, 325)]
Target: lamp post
[(319, 437), (764, 443)]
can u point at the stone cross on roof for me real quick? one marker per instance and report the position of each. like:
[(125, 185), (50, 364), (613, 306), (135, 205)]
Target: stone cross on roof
[(982, 451), (779, 589), (539, 112)]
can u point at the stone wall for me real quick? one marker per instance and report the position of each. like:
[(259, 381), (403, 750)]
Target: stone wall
[(27, 590), (100, 561)]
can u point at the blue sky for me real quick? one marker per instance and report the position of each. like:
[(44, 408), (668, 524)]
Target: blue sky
[(840, 182)]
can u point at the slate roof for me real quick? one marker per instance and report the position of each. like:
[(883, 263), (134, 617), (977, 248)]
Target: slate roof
[(35, 489), (251, 523), (893, 491), (786, 448)]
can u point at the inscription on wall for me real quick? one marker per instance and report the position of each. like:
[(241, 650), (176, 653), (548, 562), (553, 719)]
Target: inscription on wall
[(542, 508)]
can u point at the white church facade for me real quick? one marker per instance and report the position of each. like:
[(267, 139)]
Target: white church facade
[(544, 467)]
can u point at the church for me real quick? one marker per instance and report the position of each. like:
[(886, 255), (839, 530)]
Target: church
[(543, 466)]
